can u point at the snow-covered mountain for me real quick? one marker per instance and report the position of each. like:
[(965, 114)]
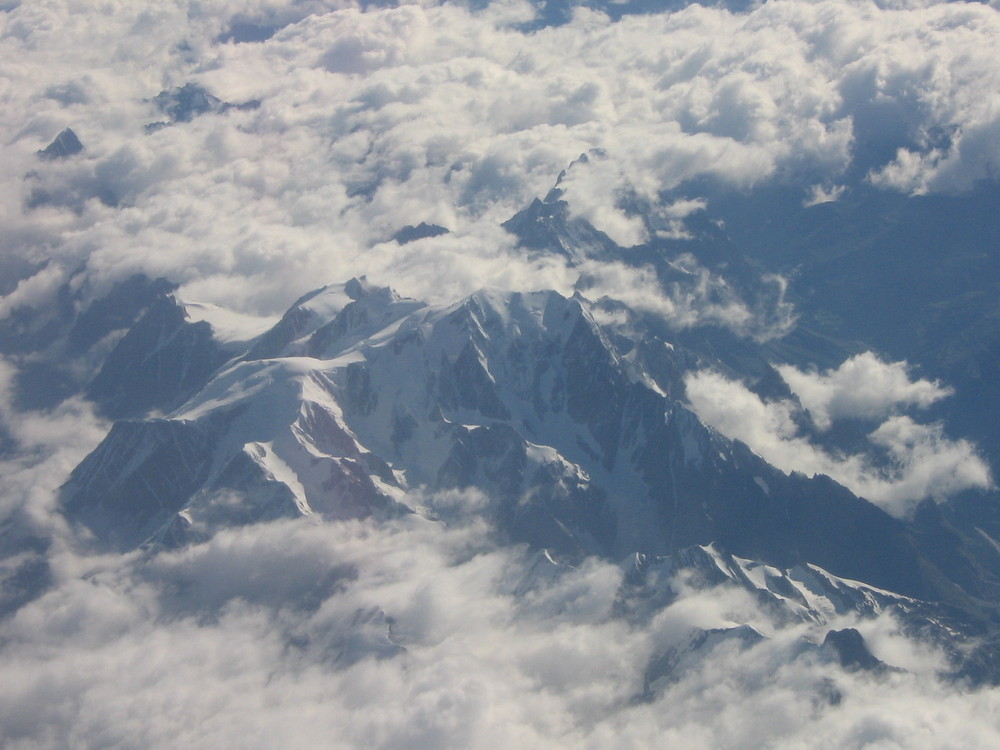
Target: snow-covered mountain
[(357, 401), (651, 399)]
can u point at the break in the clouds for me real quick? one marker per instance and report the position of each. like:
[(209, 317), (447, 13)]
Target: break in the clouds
[(374, 119), (908, 461)]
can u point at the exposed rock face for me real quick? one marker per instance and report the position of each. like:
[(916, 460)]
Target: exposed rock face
[(184, 103), (65, 145), (851, 651), (162, 359)]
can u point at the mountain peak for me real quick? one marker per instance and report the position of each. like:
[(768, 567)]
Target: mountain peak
[(64, 145), (360, 288)]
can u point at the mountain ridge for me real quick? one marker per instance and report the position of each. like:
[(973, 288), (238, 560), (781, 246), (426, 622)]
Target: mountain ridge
[(524, 397)]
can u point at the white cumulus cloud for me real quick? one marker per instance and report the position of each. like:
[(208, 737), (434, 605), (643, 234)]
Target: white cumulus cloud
[(862, 387)]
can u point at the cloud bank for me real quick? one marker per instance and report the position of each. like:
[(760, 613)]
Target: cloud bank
[(413, 635), (371, 120)]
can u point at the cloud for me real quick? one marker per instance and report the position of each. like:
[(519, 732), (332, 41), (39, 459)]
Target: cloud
[(415, 635), (907, 461), (372, 120), (594, 189), (697, 298), (928, 463), (818, 194), (45, 448), (863, 387)]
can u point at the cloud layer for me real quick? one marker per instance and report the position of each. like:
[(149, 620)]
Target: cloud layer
[(412, 635), (373, 120)]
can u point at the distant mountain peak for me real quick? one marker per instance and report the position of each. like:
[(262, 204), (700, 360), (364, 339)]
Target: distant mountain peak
[(65, 145), (184, 103), (421, 231)]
